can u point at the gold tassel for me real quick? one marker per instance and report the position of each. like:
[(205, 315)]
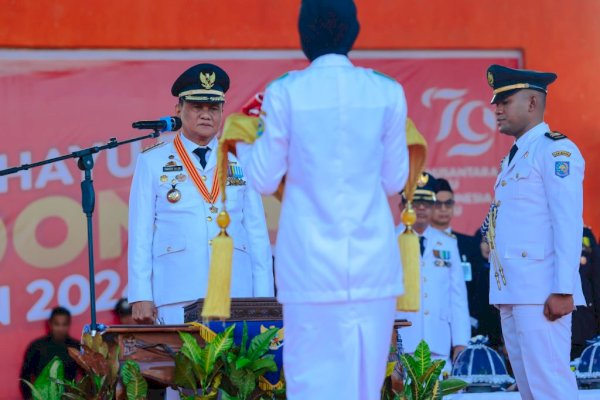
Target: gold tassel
[(217, 304), (411, 263), (408, 240)]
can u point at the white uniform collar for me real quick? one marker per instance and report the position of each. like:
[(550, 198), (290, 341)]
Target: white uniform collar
[(535, 132), (331, 60), (191, 146)]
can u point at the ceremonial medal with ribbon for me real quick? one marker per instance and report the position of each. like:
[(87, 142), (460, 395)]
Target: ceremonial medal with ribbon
[(209, 197)]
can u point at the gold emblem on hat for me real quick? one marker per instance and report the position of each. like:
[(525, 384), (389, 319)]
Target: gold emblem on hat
[(423, 179), (490, 77), (207, 80)]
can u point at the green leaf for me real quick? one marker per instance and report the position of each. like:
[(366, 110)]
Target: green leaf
[(259, 367), (241, 362), (410, 366), (436, 393), (423, 357), (260, 344), (35, 394), (431, 376), (243, 347), (245, 381), (450, 386), (136, 386), (227, 396), (184, 373), (190, 348), (46, 383), (213, 350)]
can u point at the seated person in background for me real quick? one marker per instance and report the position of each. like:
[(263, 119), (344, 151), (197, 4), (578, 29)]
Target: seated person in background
[(124, 312), (41, 351), (586, 318), (468, 248), (443, 319)]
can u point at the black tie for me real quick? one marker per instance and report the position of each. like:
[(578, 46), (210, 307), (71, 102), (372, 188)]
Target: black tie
[(201, 153), (513, 151), (422, 244)]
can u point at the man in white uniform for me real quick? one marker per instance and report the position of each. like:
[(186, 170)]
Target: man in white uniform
[(535, 226), (337, 132), (443, 319), (174, 204)]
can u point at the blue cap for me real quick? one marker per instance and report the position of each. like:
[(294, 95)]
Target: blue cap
[(507, 81)]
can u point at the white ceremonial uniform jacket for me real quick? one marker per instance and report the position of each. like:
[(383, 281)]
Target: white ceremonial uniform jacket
[(539, 220), (443, 320), (169, 243), (337, 132)]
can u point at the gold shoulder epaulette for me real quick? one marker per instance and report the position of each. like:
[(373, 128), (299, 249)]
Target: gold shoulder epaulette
[(154, 146), (452, 235), (555, 135)]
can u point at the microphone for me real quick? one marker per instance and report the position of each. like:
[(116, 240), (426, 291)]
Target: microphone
[(162, 125)]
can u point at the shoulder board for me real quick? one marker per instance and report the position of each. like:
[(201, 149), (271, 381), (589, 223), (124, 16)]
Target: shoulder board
[(555, 135), (277, 79), (452, 235), (154, 146), (382, 74)]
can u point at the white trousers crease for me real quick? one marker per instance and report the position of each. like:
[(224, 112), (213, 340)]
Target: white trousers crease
[(539, 352), (337, 350)]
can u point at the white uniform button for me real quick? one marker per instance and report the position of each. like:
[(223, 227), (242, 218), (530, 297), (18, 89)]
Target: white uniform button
[(503, 183), (425, 295), (210, 242), (517, 175), (203, 177), (169, 249), (524, 254), (209, 218), (426, 312)]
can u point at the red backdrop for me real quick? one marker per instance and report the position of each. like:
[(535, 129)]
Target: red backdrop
[(54, 103)]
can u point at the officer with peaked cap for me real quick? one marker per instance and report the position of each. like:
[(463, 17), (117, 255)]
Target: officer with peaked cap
[(174, 203), (534, 230), (443, 319), (338, 134)]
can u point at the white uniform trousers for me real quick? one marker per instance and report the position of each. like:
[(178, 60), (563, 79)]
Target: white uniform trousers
[(337, 350), (539, 352), (171, 314)]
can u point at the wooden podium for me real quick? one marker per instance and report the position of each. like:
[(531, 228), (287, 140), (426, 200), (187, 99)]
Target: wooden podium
[(153, 346)]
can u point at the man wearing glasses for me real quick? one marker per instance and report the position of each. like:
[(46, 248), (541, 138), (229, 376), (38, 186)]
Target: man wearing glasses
[(443, 320)]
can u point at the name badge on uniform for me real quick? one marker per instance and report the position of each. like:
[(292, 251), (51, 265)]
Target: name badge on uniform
[(172, 166), (466, 266)]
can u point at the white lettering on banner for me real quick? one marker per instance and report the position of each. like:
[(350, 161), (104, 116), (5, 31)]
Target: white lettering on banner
[(40, 310), (106, 300), (476, 143), (65, 171), (23, 176), (82, 284), (4, 305), (473, 198), (56, 171), (123, 171), (470, 171)]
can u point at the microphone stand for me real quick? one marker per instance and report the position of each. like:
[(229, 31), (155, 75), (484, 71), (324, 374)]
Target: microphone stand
[(85, 163)]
